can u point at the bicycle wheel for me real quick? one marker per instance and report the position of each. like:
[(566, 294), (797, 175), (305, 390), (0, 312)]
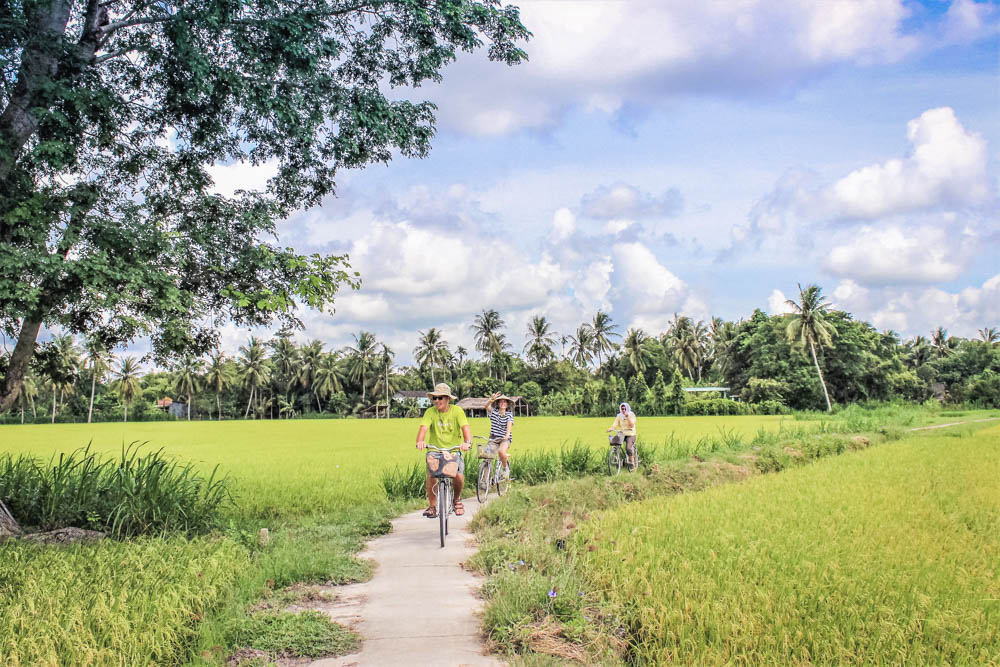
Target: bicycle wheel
[(442, 508), (503, 479), (614, 460), (483, 481)]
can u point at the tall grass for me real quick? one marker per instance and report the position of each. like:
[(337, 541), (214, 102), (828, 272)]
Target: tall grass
[(135, 494)]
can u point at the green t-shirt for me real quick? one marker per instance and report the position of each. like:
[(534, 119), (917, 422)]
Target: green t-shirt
[(444, 429)]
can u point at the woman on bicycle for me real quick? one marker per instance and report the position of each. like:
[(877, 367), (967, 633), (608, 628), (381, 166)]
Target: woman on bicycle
[(501, 425), (625, 422)]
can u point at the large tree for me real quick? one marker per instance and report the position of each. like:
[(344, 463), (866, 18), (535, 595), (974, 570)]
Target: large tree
[(541, 339), (112, 115), (604, 331), (809, 327), (431, 351)]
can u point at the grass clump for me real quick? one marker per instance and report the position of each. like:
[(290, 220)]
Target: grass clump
[(136, 494), (283, 634)]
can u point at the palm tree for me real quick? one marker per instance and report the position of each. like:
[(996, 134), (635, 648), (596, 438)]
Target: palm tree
[(59, 364), (723, 346), (218, 377), (430, 351), (940, 341), (285, 360), (256, 372), (683, 343), (989, 335), (582, 345), (489, 340), (384, 382), (309, 360), (327, 378), (187, 378), (920, 351), (286, 406), (99, 363), (361, 355), (127, 379), (809, 327), (461, 353), (29, 392), (604, 331), (541, 338), (635, 351)]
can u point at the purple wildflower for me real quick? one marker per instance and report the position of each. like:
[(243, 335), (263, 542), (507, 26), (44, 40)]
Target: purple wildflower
[(552, 593)]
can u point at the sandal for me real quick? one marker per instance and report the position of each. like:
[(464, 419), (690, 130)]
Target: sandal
[(459, 508), (431, 512)]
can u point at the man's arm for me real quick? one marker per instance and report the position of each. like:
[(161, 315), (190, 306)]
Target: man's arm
[(421, 437), (466, 437)]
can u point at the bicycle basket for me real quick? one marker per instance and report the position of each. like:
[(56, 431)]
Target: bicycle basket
[(488, 450), (616, 439), (442, 464)]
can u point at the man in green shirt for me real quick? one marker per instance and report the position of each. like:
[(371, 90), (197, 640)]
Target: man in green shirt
[(445, 425)]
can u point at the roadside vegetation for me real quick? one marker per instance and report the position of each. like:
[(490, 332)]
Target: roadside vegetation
[(851, 559)]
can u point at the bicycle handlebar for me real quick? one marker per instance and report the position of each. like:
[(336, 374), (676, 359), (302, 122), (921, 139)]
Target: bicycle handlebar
[(444, 449)]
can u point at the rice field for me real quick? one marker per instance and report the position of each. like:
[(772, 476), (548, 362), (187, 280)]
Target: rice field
[(303, 467), (891, 555)]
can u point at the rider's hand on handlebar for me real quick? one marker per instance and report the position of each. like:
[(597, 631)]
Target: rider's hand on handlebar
[(421, 444), (466, 446)]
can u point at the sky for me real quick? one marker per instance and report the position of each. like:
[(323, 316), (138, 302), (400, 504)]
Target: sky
[(694, 156)]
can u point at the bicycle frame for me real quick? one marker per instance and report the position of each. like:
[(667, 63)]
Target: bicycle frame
[(444, 492)]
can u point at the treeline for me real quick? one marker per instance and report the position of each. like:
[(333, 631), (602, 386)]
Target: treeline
[(770, 363)]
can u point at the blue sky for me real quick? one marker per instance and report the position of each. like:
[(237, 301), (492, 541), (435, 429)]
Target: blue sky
[(694, 157)]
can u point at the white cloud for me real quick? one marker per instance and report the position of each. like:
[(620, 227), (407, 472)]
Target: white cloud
[(621, 200), (644, 289), (241, 176), (563, 224), (777, 303), (601, 56), (946, 165), (895, 255), (617, 226)]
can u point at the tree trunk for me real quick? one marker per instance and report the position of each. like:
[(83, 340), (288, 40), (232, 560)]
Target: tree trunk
[(8, 525), (249, 403), (189, 408), (93, 385), (218, 405), (812, 348), (53, 403), (125, 408), (19, 360), (22, 414), (318, 406)]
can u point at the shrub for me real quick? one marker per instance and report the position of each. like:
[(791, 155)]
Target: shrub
[(717, 406), (770, 407), (133, 495)]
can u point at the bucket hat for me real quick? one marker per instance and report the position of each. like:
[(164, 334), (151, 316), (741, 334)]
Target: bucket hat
[(441, 389)]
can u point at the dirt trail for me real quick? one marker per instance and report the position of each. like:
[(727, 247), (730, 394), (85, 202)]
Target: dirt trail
[(421, 607), (971, 421)]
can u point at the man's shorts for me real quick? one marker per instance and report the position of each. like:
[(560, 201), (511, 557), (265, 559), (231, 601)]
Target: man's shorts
[(445, 464)]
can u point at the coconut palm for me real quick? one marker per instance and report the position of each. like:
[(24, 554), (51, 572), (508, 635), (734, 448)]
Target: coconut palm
[(310, 357), (286, 406), (59, 362), (683, 342), (808, 326), (604, 331), (431, 349), (218, 377), (581, 345), (461, 353), (635, 350), (385, 383), (99, 362), (284, 360), (360, 359), (127, 381), (328, 377), (941, 342), (29, 392), (489, 338), (723, 346), (255, 370), (989, 335), (541, 338), (187, 378)]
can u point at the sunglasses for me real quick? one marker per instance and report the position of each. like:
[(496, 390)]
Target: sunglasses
[(441, 398)]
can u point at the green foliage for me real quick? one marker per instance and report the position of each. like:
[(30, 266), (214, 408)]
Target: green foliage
[(759, 390), (135, 494), (676, 401), (309, 634), (718, 406)]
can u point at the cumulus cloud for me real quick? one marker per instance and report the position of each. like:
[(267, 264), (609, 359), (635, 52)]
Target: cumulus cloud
[(563, 224), (777, 303), (894, 255), (917, 311), (605, 56), (627, 201), (645, 289), (945, 169)]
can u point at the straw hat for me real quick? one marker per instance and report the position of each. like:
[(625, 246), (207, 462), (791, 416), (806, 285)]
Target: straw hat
[(504, 397), (441, 389)]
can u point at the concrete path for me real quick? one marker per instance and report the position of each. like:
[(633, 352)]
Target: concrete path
[(421, 607), (971, 421)]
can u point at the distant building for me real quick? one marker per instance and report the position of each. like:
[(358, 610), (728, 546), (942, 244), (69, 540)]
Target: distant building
[(164, 403), (178, 410), (701, 390), (476, 407), (419, 396)]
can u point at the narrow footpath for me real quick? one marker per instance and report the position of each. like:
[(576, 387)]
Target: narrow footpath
[(421, 607)]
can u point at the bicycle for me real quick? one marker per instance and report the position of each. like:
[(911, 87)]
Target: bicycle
[(445, 506), (490, 473), (615, 455)]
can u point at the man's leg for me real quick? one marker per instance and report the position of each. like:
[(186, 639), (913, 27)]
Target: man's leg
[(458, 483), (431, 491)]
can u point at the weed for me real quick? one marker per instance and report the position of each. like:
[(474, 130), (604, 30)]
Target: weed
[(286, 634)]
